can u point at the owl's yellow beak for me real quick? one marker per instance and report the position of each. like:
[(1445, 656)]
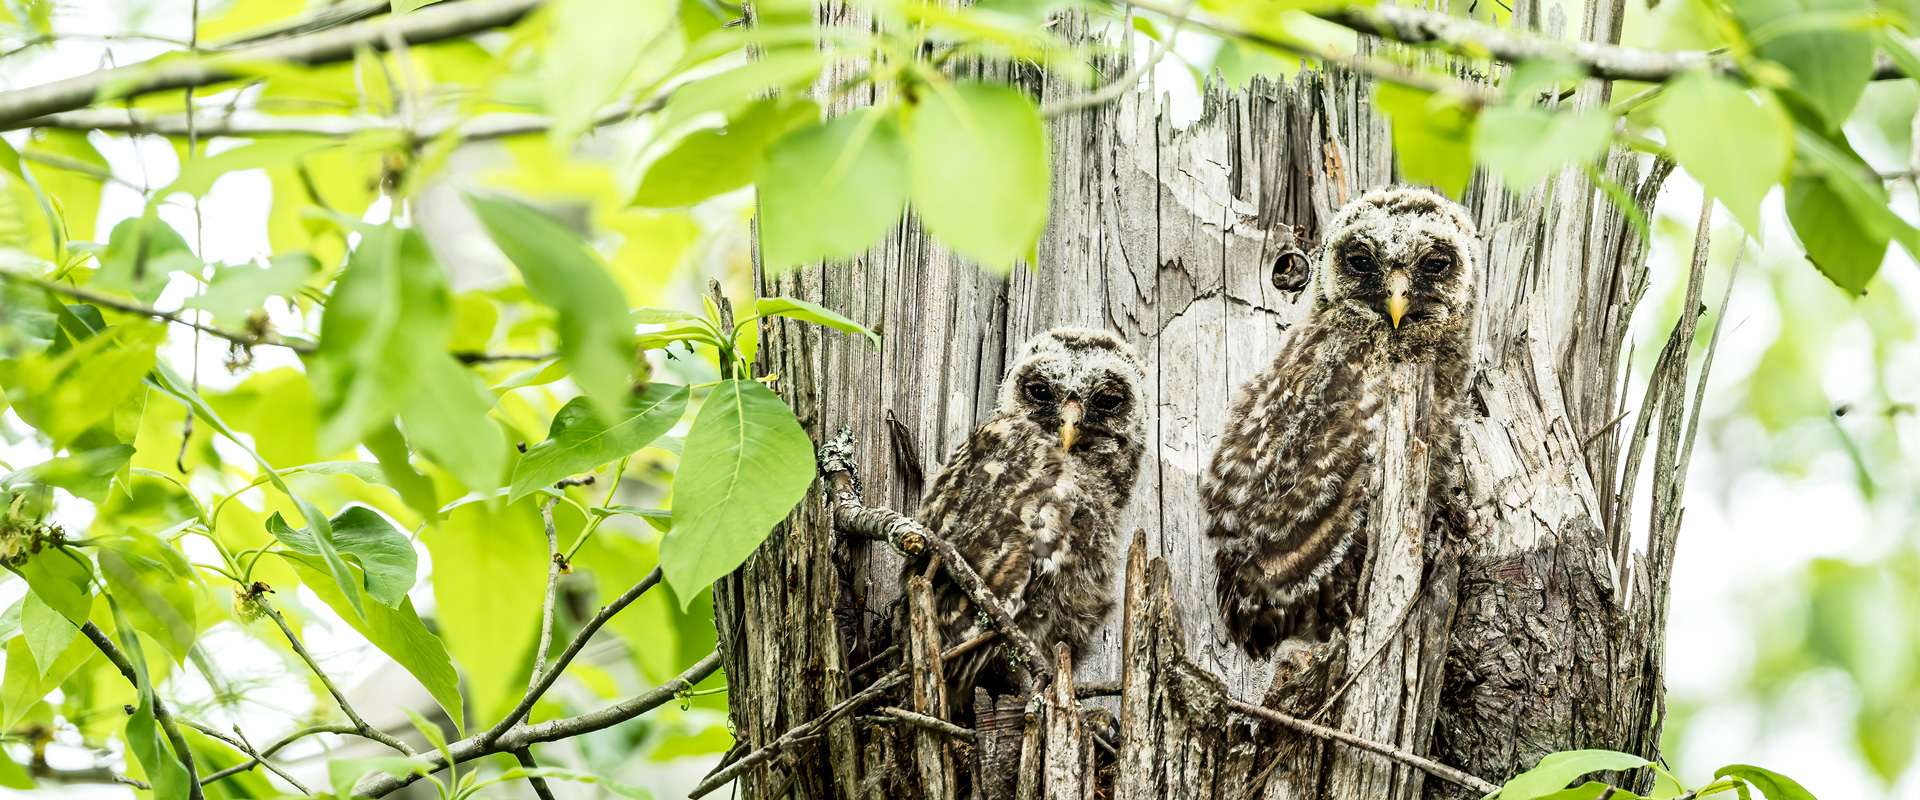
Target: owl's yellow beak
[(1070, 413), (1397, 285)]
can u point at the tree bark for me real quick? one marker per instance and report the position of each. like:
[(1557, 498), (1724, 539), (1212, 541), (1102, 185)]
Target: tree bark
[(1520, 624)]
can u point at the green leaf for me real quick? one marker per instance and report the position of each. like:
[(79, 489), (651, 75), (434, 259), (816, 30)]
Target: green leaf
[(141, 253), (78, 189), (1831, 64), (579, 441), (385, 553), (980, 171), (343, 773), (14, 776), (714, 161), (1432, 135), (446, 418), (1846, 179), (1841, 244), (397, 471), (397, 631), (489, 575), (1772, 784), (25, 683), (1525, 144), (829, 191), (733, 90), (661, 519), (197, 175), (1735, 143), (405, 6), (1556, 770), (46, 631), (164, 769), (87, 474), (1591, 790), (803, 310), (154, 587), (564, 273), (747, 463), (238, 289), (68, 392), (659, 316), (594, 48), (61, 578)]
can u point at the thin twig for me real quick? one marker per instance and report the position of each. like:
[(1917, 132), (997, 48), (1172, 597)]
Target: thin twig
[(969, 645), (930, 723), (566, 657), (1123, 84), (381, 784), (907, 536), (340, 698), (875, 661), (241, 744), (540, 788), (131, 307), (553, 590), (160, 714), (1428, 766), (798, 732), (276, 747)]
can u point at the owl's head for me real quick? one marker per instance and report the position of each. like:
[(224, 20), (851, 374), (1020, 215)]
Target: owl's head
[(1402, 260), (1082, 383)]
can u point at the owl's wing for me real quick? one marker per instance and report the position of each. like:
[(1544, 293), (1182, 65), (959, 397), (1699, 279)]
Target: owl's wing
[(1286, 490)]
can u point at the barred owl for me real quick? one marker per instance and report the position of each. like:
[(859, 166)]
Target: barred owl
[(1287, 492), (1029, 499)]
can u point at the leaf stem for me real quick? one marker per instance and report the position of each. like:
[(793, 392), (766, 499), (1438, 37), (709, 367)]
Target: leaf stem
[(593, 524)]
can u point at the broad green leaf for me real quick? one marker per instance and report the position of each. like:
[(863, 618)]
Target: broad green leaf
[(719, 160), (385, 553), (25, 683), (87, 474), (446, 418), (278, 410), (747, 463), (803, 310), (397, 471), (979, 171), (1831, 63), (658, 316), (46, 631), (1841, 244), (405, 6), (398, 632), (1591, 790), (661, 519), (1772, 784), (1847, 179), (153, 585), (735, 89), (829, 191), (579, 440), (166, 773), (564, 273), (166, 380), (564, 774), (197, 175), (343, 773), (1524, 144), (1734, 142), (10, 620), (489, 576), (594, 48), (61, 578), (238, 289), (1556, 770), (141, 253), (14, 776), (1432, 136), (66, 393)]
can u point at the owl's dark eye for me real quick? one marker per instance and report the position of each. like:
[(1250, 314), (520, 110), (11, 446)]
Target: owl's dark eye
[(1109, 401), (1437, 264), (1360, 262), (1039, 392)]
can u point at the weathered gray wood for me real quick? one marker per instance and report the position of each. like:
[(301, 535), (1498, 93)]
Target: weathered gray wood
[(1533, 630), (934, 761), (1065, 759)]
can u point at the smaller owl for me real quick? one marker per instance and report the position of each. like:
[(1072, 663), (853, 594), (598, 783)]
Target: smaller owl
[(1287, 492), (1030, 498)]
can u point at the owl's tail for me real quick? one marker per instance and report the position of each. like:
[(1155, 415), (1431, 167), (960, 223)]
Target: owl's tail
[(1254, 608)]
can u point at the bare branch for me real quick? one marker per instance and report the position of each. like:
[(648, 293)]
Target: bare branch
[(160, 714), (277, 747), (477, 746), (360, 726), (793, 736), (554, 560), (545, 682), (1438, 770), (930, 723), (911, 539), (131, 307), (241, 744), (430, 24), (253, 124), (1125, 83)]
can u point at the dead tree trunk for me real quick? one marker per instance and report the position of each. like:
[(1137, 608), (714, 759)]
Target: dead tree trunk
[(1533, 627)]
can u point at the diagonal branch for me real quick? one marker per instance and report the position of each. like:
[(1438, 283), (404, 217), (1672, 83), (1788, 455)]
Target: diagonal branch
[(430, 24), (554, 561), (552, 673), (241, 744), (802, 731), (244, 123), (259, 757), (478, 745), (1438, 770), (360, 725), (160, 714), (911, 539)]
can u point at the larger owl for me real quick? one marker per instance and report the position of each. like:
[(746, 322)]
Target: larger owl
[(1287, 492), (1030, 498)]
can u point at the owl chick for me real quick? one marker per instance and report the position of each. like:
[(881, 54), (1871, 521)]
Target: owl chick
[(1287, 491), (1029, 499)]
